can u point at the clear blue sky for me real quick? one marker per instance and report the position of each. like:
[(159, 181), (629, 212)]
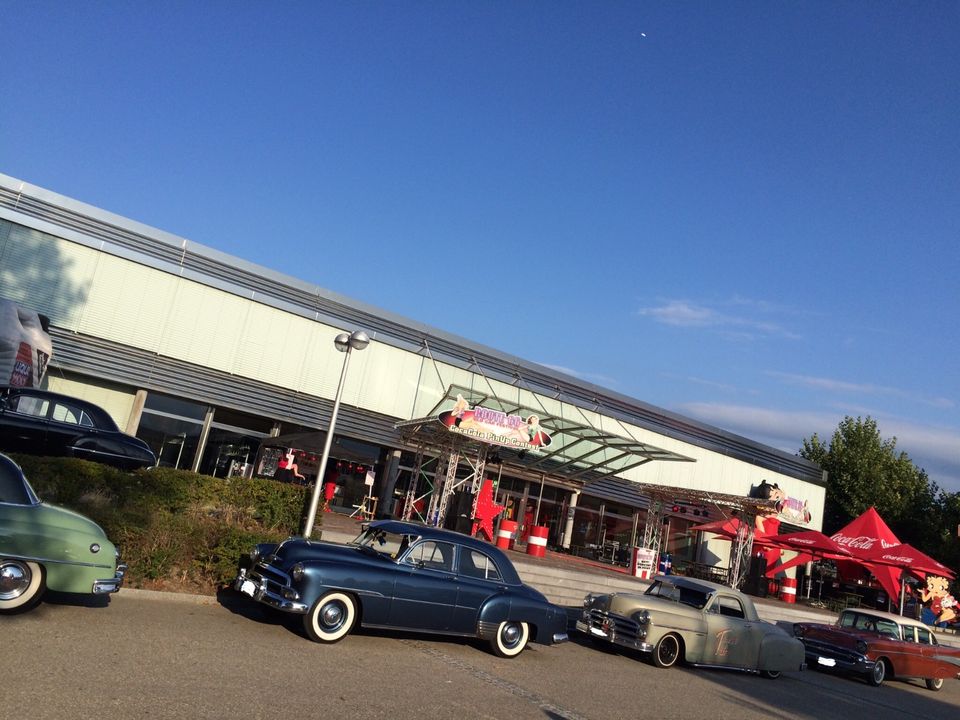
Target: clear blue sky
[(745, 212)]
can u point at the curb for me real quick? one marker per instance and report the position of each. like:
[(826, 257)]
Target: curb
[(168, 596)]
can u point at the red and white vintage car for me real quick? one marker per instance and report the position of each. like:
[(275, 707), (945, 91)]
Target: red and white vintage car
[(878, 646)]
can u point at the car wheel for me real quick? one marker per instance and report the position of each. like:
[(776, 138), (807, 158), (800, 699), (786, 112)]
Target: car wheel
[(511, 639), (667, 652), (770, 674), (330, 618), (934, 683), (878, 673), (21, 584)]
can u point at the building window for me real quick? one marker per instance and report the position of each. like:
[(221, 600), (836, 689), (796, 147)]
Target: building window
[(172, 428)]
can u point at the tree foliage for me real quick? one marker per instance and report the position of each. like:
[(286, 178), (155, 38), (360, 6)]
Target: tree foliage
[(864, 470)]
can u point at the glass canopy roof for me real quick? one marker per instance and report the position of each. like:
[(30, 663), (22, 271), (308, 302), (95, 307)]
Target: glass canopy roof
[(578, 450)]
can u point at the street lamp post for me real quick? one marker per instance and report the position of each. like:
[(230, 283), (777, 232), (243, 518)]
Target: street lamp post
[(345, 343)]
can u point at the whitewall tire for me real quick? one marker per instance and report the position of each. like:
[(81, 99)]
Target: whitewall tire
[(511, 639), (331, 617), (21, 584)]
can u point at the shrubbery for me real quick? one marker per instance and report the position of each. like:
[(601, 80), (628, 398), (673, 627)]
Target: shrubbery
[(176, 530)]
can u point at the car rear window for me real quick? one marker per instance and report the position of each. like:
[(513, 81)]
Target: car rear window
[(476, 564)]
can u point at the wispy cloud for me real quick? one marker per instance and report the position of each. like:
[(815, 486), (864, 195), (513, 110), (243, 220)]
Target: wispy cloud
[(843, 386), (738, 317), (935, 449), (725, 388), (595, 378)]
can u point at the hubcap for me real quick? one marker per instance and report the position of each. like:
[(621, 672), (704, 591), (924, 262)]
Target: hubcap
[(332, 615), (511, 634), (14, 580), (668, 650)]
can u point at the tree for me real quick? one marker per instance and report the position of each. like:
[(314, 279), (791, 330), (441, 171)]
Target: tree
[(863, 470)]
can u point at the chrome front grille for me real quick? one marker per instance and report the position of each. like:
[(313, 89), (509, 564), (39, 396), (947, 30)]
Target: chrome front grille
[(617, 624), (276, 579)]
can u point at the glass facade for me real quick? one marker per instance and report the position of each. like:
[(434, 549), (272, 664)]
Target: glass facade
[(232, 443), (174, 439), (173, 429)]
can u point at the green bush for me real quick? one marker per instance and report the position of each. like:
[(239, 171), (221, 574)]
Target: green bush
[(176, 530)]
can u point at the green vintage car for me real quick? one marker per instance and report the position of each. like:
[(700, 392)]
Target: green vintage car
[(43, 547)]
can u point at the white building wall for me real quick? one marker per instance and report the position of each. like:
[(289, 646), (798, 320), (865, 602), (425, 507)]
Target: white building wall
[(115, 298)]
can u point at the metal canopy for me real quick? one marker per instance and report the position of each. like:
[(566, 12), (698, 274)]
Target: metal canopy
[(578, 452)]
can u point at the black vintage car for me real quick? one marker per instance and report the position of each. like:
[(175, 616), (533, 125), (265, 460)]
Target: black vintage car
[(39, 422), (405, 576)]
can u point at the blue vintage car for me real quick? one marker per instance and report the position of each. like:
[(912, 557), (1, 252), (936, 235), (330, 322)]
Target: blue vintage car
[(403, 576)]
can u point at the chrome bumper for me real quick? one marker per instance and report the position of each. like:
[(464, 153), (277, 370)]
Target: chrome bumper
[(103, 587), (256, 587), (611, 636)]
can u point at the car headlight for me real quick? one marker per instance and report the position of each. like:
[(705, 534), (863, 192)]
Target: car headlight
[(588, 601), (296, 572), (861, 647), (255, 555), (95, 548), (644, 617)]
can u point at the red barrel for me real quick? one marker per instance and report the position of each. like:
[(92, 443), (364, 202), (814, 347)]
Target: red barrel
[(506, 534), (773, 587), (537, 542), (788, 590)]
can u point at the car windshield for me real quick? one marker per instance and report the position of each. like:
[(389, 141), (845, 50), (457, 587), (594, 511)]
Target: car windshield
[(14, 488), (687, 596), (388, 544)]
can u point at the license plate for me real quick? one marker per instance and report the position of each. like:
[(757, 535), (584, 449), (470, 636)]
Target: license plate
[(828, 662), (248, 587)]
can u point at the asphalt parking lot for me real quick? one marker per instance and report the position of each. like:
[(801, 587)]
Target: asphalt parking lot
[(156, 655)]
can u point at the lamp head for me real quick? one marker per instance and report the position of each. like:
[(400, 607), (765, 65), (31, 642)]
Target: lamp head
[(359, 339)]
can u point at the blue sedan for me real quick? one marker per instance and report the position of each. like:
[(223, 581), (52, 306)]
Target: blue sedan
[(403, 576)]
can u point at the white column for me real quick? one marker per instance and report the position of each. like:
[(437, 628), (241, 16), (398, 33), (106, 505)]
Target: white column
[(568, 528)]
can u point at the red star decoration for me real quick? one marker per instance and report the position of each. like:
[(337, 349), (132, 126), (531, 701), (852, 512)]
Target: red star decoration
[(486, 510)]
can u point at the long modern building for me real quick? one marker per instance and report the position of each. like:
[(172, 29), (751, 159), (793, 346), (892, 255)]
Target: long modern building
[(226, 367)]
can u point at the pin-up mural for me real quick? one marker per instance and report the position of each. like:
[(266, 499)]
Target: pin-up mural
[(25, 345), (790, 509), (494, 426), (940, 607)]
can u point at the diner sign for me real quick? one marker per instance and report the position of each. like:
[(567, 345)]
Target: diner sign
[(495, 427)]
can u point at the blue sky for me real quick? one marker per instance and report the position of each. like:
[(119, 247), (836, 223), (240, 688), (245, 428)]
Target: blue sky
[(745, 212)]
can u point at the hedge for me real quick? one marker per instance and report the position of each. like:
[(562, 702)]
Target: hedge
[(176, 530)]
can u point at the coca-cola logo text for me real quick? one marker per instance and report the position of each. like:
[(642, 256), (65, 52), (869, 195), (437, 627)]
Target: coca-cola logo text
[(861, 542)]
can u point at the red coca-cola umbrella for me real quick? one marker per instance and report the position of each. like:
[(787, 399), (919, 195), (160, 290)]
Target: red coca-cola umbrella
[(906, 557), (727, 527), (810, 542)]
